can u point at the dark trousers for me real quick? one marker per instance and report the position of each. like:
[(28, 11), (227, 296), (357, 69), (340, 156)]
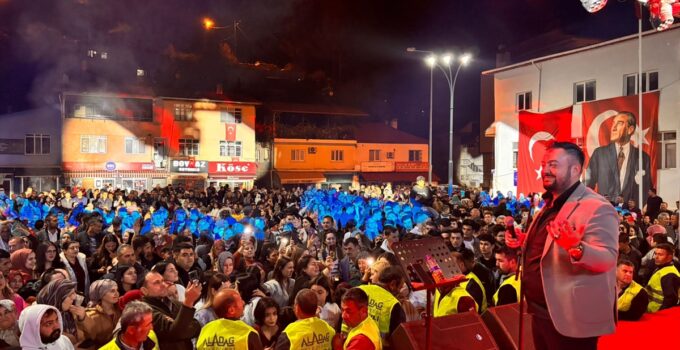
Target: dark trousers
[(546, 337)]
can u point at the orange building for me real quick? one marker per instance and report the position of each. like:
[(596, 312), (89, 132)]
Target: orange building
[(138, 142)]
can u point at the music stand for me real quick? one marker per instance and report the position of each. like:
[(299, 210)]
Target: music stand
[(411, 255)]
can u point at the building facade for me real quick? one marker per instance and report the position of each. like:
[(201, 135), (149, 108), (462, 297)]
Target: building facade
[(140, 142), (30, 143), (601, 71)]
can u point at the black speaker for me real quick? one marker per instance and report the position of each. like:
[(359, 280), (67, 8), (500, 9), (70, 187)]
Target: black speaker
[(503, 322), (464, 331)]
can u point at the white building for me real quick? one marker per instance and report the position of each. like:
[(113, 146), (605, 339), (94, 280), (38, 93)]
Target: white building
[(605, 70)]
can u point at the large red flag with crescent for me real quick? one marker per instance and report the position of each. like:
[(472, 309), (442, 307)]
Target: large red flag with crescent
[(230, 132), (598, 118), (535, 131)]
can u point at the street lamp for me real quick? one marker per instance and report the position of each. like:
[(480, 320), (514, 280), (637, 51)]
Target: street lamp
[(451, 78)]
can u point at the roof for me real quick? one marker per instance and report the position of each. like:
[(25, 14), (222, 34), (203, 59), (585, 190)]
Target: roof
[(381, 133), (284, 107), (575, 51)]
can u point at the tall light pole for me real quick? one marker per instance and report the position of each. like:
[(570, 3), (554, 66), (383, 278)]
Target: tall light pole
[(431, 61)]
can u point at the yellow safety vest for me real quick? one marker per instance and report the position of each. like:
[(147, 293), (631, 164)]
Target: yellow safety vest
[(310, 334), (448, 305), (654, 287), (113, 346), (380, 305), (626, 299), (472, 277), (511, 281), (224, 334), (369, 328)]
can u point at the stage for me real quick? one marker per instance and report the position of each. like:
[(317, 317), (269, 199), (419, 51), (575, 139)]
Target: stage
[(660, 330)]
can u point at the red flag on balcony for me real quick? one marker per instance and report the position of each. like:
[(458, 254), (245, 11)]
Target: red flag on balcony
[(230, 132), (535, 131)]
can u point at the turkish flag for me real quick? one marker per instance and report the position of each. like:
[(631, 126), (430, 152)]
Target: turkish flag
[(230, 132), (536, 130), (598, 117)]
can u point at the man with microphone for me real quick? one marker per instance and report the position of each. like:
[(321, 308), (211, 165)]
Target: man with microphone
[(569, 257)]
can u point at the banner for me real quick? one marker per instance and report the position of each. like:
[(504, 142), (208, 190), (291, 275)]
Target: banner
[(610, 129), (230, 132), (535, 131)]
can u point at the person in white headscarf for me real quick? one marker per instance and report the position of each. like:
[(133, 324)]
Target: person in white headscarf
[(9, 329), (40, 327)]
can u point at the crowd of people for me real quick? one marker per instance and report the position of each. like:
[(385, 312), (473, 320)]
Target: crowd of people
[(175, 268)]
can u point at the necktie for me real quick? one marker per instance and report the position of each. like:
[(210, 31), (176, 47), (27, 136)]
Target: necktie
[(621, 158)]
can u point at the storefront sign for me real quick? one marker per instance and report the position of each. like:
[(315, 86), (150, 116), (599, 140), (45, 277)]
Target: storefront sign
[(188, 166), (108, 166), (410, 166), (378, 167), (12, 146), (232, 168)]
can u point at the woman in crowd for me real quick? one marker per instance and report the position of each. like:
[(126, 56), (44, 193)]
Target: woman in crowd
[(23, 260), (6, 293), (215, 251), (225, 264), (76, 265), (211, 282), (280, 287), (247, 260), (126, 278), (271, 255), (330, 311), (103, 313), (46, 257), (103, 258), (267, 322), (62, 295), (169, 272), (9, 329), (306, 270)]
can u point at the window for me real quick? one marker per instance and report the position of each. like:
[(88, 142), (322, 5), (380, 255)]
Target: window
[(515, 154), (262, 155), (389, 155), (188, 147), (666, 150), (231, 115), (230, 148), (91, 53), (523, 101), (92, 144), (85, 111), (650, 82), (37, 144), (415, 156), (134, 146), (183, 112), (373, 155), (584, 91), (337, 155), (297, 155), (140, 72)]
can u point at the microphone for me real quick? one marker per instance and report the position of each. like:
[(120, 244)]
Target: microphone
[(510, 226)]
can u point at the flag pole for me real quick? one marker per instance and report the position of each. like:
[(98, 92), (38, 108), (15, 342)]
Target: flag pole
[(640, 138)]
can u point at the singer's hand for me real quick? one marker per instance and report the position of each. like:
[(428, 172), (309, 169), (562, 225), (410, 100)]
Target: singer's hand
[(515, 243), (564, 234)]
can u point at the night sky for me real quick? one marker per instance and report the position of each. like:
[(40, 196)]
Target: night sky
[(349, 52)]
